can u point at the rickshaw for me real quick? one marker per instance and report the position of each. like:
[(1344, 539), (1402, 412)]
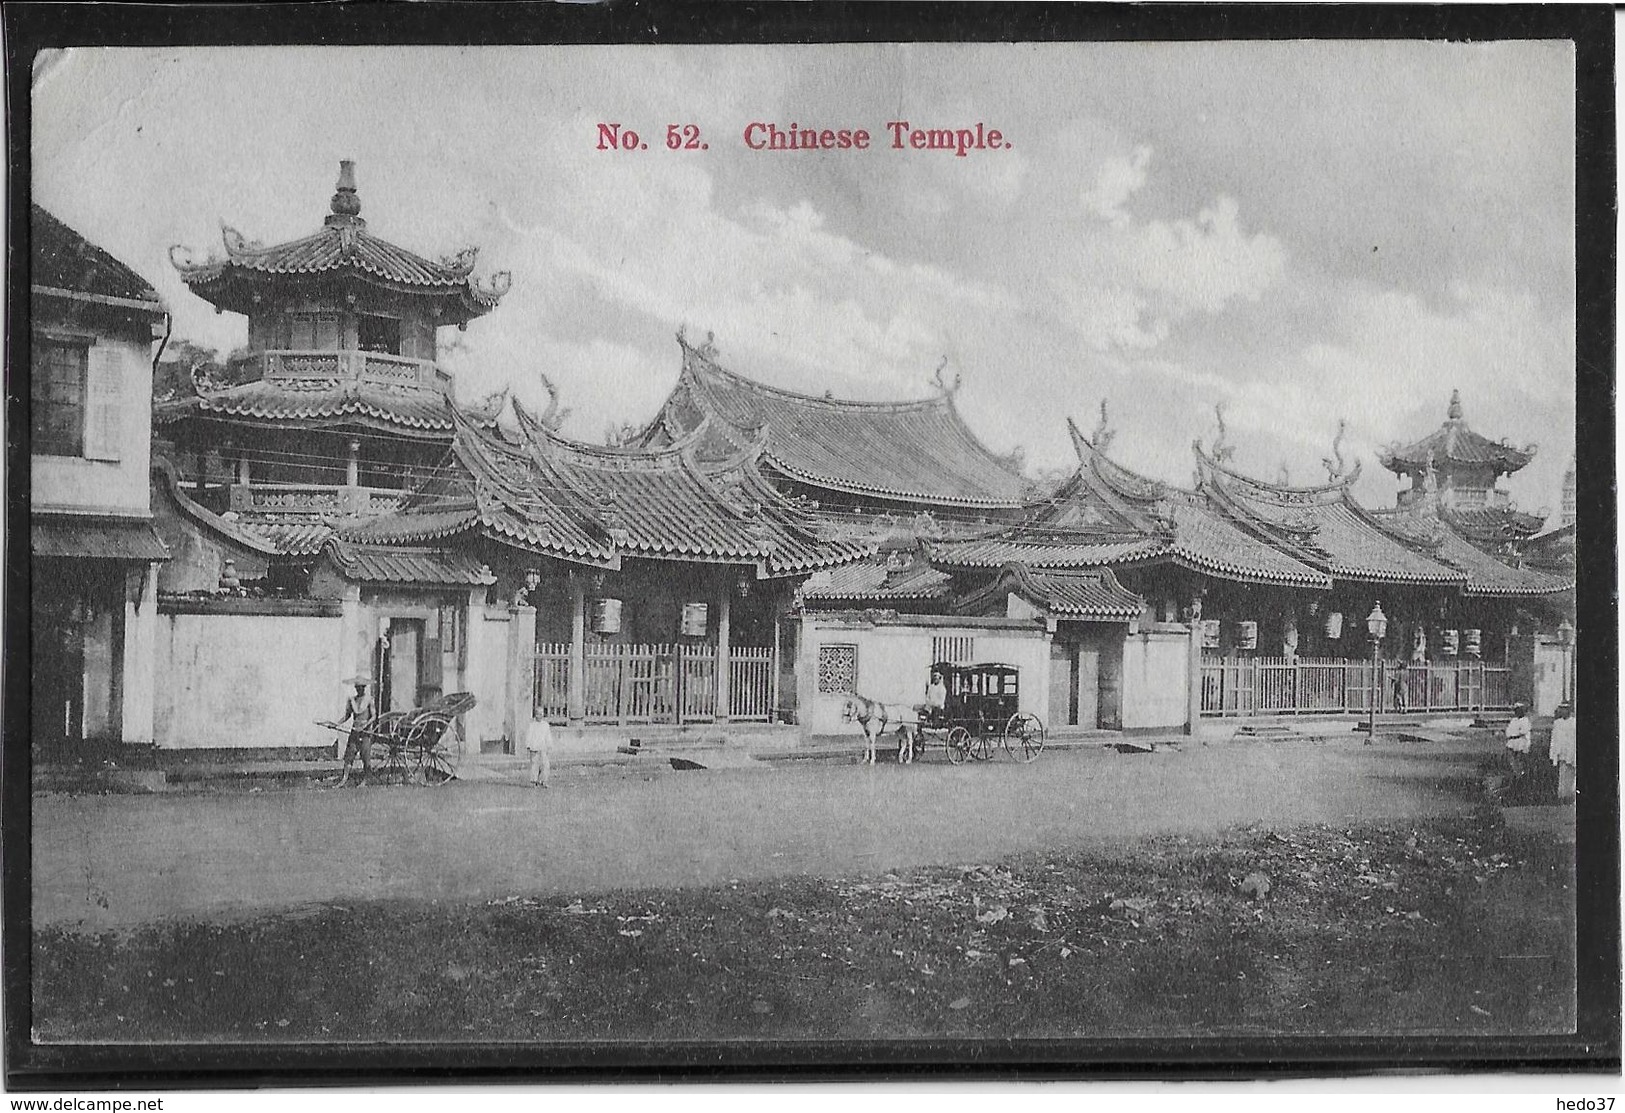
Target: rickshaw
[(410, 745), (982, 709)]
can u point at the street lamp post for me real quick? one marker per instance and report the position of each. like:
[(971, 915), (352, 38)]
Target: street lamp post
[(1376, 624), (1565, 638)]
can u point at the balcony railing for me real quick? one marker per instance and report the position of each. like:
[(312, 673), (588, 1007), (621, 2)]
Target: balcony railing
[(314, 499), (286, 365)]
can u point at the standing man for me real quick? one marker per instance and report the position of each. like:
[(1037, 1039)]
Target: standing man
[(936, 697), (357, 712), (1519, 736), (1563, 752), (539, 741)]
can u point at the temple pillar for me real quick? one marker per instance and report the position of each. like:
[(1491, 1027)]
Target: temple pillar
[(576, 696), (519, 696), (352, 466), (724, 644), (778, 650), (1193, 688)]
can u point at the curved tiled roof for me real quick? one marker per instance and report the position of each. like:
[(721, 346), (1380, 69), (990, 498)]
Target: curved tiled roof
[(919, 451), (407, 410), (1493, 523), (342, 246), (1092, 594), (865, 580), (1194, 534), (1205, 542), (1321, 526), (1454, 443), (1486, 574), (995, 552), (202, 516), (596, 505), (301, 537), (391, 564)]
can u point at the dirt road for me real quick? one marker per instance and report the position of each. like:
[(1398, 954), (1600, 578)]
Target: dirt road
[(110, 860)]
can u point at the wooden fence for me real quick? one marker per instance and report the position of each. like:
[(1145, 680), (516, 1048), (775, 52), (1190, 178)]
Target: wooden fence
[(1333, 686), (655, 683)]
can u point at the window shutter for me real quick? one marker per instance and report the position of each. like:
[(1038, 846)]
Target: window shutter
[(104, 397)]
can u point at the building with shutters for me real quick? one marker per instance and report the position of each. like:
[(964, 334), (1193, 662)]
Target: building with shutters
[(94, 331)]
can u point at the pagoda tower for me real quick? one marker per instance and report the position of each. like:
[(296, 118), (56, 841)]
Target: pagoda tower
[(1454, 474), (337, 404)]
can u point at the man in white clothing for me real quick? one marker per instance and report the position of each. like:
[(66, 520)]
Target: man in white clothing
[(1563, 752), (1519, 735), (539, 741)]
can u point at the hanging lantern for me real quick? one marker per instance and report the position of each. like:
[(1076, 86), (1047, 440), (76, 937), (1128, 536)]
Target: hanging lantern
[(1334, 625), (1246, 635), (1474, 640), (696, 616), (1210, 633), (606, 616), (1449, 642)]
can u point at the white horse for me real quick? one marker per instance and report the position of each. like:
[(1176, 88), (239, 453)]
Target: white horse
[(876, 718)]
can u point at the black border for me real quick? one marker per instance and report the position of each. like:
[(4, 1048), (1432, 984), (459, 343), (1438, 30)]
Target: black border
[(1595, 1048)]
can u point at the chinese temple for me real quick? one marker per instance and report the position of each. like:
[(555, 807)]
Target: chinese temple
[(337, 404), (857, 461), (658, 579), (1453, 473), (1280, 578)]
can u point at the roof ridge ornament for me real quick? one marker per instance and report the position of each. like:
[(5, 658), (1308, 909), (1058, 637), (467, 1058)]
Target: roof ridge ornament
[(1221, 451), (943, 386), (1101, 439), (345, 206), (1454, 412), (1335, 464)]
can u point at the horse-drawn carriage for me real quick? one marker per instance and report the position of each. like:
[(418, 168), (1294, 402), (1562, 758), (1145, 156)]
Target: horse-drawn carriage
[(981, 709), (411, 745)]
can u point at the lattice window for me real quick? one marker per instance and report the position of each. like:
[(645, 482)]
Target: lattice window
[(838, 670), (57, 390), (956, 650)]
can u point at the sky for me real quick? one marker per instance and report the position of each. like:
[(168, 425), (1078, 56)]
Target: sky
[(1302, 232)]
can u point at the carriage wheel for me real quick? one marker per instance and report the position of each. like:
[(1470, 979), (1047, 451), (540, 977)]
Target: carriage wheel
[(981, 746), (958, 745), (393, 761), (1024, 736), (433, 766)]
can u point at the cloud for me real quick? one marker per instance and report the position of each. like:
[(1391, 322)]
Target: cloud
[(1117, 180)]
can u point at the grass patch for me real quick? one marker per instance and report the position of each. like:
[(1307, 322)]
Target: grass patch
[(1456, 926)]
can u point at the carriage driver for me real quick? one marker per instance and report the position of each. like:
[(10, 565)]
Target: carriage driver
[(358, 712), (936, 697)]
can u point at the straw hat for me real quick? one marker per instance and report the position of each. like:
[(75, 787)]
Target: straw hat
[(359, 682)]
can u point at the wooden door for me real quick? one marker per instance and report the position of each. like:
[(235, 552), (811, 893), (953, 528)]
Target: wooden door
[(1088, 698), (1063, 684), (405, 663), (1109, 712)]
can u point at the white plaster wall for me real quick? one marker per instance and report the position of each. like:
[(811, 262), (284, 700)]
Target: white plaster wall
[(140, 664), (232, 681), (894, 665), (1156, 679), (121, 486), (488, 673)]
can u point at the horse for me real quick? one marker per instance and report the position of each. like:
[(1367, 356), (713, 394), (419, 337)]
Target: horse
[(875, 717)]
